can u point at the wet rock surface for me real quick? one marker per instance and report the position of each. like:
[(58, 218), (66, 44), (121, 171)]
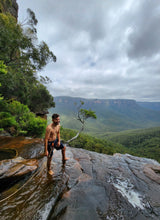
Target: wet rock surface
[(88, 186), (108, 187), (7, 154), (13, 170)]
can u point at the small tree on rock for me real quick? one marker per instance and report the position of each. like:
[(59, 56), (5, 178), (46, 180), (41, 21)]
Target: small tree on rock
[(82, 116)]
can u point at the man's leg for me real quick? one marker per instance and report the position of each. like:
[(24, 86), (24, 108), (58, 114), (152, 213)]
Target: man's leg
[(63, 150), (49, 159), (49, 162), (64, 158)]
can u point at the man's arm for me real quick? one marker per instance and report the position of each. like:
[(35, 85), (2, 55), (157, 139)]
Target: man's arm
[(58, 136), (46, 141)]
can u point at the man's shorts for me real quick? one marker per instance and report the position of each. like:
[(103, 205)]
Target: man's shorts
[(51, 148)]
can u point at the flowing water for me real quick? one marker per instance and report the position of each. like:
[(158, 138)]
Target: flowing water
[(34, 196)]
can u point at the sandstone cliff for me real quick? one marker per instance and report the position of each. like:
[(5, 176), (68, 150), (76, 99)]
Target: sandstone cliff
[(10, 6)]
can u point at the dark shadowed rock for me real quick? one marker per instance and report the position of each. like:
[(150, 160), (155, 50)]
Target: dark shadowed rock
[(7, 154), (12, 170)]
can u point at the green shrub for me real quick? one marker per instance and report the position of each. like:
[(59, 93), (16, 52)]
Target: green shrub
[(91, 143), (36, 126), (7, 120), (18, 110), (18, 120)]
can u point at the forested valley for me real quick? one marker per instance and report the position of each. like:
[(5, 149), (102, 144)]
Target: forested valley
[(137, 142)]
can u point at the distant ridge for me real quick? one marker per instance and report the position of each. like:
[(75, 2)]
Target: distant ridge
[(150, 105), (112, 114)]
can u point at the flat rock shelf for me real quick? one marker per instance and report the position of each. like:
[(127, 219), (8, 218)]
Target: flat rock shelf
[(88, 186)]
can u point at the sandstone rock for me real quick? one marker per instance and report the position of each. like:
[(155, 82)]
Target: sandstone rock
[(5, 133), (12, 170), (14, 9), (153, 172), (11, 7), (109, 187), (7, 154), (89, 186)]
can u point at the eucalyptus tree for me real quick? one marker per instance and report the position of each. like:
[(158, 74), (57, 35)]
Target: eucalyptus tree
[(82, 115), (24, 56)]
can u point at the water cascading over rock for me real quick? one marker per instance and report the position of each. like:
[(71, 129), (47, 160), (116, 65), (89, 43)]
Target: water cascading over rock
[(89, 186)]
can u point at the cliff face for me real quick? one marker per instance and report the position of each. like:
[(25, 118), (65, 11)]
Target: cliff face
[(14, 9), (112, 115), (63, 99), (10, 6), (89, 186)]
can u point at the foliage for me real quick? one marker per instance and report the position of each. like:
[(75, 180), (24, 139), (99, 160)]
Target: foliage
[(11, 38), (4, 4), (23, 56), (140, 142), (18, 45), (36, 126), (7, 120), (41, 98), (18, 110), (90, 143), (26, 89), (82, 116), (17, 119), (3, 70)]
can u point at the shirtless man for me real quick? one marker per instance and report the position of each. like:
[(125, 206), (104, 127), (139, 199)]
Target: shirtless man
[(52, 140)]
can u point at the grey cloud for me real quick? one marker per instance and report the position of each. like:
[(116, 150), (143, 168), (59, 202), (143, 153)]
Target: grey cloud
[(104, 49), (74, 16), (144, 37)]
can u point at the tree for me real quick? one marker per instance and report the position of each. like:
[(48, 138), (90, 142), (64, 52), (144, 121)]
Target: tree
[(19, 46), (3, 70), (39, 92), (23, 56), (82, 116), (5, 5)]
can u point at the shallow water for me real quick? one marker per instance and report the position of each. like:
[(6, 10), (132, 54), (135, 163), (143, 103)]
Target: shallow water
[(33, 197)]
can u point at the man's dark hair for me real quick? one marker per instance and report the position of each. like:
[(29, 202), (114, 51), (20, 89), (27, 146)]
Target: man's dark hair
[(54, 116)]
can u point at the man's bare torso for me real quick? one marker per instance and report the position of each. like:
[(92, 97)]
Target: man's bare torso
[(52, 131)]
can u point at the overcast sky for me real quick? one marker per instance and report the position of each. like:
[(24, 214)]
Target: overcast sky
[(105, 49)]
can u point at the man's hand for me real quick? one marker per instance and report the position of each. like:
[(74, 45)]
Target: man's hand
[(46, 153), (58, 144)]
